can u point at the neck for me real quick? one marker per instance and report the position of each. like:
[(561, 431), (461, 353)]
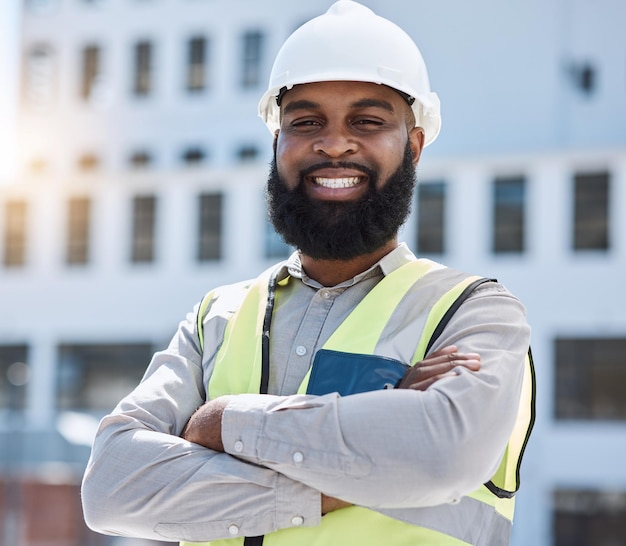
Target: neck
[(334, 272)]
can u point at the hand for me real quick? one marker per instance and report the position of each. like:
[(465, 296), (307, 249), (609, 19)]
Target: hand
[(437, 365), (205, 425), (330, 504)]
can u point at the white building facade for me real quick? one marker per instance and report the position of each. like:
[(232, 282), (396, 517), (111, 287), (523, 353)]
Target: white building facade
[(141, 165)]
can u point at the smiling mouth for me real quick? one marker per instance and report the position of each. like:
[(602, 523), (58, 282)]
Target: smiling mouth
[(337, 183)]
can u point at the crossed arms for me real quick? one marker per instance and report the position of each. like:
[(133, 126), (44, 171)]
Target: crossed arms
[(385, 449), (205, 425)]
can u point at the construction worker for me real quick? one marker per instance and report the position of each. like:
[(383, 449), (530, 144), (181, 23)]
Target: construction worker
[(353, 394)]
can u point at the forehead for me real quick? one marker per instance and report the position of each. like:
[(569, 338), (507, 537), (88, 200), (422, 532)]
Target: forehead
[(346, 94)]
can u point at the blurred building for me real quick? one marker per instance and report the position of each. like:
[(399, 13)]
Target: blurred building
[(139, 186)]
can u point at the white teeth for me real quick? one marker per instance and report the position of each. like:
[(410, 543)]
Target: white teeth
[(337, 182)]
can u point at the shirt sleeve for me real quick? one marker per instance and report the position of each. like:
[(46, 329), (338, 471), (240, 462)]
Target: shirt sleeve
[(399, 448), (143, 480)]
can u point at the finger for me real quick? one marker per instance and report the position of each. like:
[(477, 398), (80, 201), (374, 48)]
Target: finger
[(449, 349), (462, 356), (424, 384), (427, 372), (447, 356), (471, 364), (436, 367)]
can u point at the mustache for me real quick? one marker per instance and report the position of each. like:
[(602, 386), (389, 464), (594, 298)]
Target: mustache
[(338, 165)]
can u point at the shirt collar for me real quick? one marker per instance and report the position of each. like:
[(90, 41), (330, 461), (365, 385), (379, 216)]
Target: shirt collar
[(399, 256)]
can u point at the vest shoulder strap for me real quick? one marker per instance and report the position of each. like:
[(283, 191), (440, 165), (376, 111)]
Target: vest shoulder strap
[(237, 292), (467, 289)]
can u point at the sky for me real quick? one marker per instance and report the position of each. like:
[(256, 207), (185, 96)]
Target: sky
[(9, 29)]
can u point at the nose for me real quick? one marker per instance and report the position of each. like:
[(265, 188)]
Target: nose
[(335, 143)]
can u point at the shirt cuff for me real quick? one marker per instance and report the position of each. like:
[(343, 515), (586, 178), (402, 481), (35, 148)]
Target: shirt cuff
[(242, 424), (297, 505), (299, 436)]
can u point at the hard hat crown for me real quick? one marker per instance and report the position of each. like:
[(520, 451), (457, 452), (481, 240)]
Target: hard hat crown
[(351, 43)]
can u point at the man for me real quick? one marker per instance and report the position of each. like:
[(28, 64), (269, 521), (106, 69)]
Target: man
[(220, 439)]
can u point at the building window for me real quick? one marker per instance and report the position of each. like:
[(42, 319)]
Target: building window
[(13, 375), (193, 155), (144, 224), (583, 77), (251, 73), (210, 228), (591, 211), (581, 518), (15, 232), (37, 166), (509, 196), (431, 218), (88, 162), (96, 377), (39, 76), (590, 379), (140, 159), (275, 247), (78, 212), (90, 71), (197, 54), (143, 69), (247, 154)]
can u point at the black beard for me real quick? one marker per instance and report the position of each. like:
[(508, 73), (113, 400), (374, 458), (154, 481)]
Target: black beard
[(330, 230)]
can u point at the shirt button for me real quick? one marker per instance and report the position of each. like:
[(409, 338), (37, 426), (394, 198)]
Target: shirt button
[(233, 529), (325, 294), (297, 520), (300, 350), (238, 446), (298, 457)]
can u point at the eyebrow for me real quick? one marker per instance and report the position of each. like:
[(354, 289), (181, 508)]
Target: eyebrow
[(361, 103), (373, 103), (300, 105)]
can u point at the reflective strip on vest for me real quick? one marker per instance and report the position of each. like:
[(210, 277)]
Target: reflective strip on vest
[(482, 518)]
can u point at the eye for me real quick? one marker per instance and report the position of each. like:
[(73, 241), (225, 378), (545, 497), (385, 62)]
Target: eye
[(367, 123), (305, 122), (304, 125)]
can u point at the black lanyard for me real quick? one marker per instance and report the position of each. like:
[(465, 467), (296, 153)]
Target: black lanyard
[(265, 337), (265, 363)]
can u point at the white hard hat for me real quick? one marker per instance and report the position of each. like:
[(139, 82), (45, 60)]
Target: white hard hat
[(351, 43)]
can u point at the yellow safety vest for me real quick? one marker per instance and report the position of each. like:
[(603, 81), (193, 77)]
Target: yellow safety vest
[(484, 517)]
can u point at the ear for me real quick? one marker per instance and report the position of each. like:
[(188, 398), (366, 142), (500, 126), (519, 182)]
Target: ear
[(416, 141)]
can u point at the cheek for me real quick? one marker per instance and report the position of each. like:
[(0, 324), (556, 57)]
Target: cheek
[(288, 146), (390, 155), (279, 146), (286, 160)]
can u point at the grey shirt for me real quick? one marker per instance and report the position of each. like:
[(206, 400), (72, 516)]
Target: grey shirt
[(386, 450)]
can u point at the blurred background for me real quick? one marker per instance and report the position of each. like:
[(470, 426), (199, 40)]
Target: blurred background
[(132, 167)]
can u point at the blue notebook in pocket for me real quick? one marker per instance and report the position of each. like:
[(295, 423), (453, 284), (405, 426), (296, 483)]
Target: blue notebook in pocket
[(351, 373)]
